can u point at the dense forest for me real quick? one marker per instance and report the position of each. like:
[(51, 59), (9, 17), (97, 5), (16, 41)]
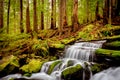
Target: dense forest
[(33, 32)]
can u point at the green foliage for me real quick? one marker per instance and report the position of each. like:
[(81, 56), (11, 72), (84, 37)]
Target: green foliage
[(85, 33), (40, 47)]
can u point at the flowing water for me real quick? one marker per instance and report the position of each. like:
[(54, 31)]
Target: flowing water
[(109, 74), (78, 53)]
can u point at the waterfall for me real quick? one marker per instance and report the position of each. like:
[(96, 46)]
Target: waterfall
[(78, 53), (109, 74)]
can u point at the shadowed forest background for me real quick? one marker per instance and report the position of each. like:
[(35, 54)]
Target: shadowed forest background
[(39, 30)]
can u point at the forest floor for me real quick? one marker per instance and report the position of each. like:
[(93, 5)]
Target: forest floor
[(18, 50)]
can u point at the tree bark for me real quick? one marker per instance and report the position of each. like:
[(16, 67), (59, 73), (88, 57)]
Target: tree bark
[(1, 13), (27, 18), (21, 16), (35, 17), (87, 11), (42, 15), (53, 14), (105, 12), (63, 15), (118, 8), (75, 23), (14, 9), (110, 11), (97, 12), (8, 16)]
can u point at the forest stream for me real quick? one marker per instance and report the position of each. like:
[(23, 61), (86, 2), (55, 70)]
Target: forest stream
[(59, 39), (77, 60)]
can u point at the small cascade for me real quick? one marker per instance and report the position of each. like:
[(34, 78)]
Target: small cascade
[(46, 66), (78, 53), (109, 74), (83, 51)]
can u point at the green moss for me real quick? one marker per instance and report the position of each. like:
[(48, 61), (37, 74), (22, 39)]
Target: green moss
[(113, 44), (57, 46), (68, 40), (96, 68), (108, 53), (53, 66), (71, 70), (33, 66), (10, 60)]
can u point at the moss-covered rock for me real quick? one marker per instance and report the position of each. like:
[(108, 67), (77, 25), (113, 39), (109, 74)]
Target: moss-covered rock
[(33, 66), (12, 60), (112, 54), (73, 72), (8, 65), (53, 66), (115, 45)]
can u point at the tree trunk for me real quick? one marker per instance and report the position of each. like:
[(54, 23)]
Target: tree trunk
[(110, 11), (97, 12), (63, 15), (118, 8), (27, 18), (1, 13), (105, 12), (87, 11), (53, 14), (8, 16), (35, 17), (21, 16), (75, 23), (42, 15), (14, 9)]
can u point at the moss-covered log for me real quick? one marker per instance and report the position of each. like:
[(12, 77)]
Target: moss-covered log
[(108, 55), (115, 45), (112, 38)]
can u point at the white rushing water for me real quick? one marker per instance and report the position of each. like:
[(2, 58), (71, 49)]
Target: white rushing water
[(109, 74), (79, 53)]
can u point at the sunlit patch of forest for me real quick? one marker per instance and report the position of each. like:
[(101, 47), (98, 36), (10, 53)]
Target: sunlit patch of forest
[(39, 30)]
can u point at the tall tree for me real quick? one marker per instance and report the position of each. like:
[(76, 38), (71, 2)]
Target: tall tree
[(75, 22), (42, 15), (14, 9), (97, 11), (27, 18), (105, 11), (53, 14), (8, 12), (21, 16), (118, 8), (35, 24), (87, 11), (1, 13), (110, 11), (63, 15)]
